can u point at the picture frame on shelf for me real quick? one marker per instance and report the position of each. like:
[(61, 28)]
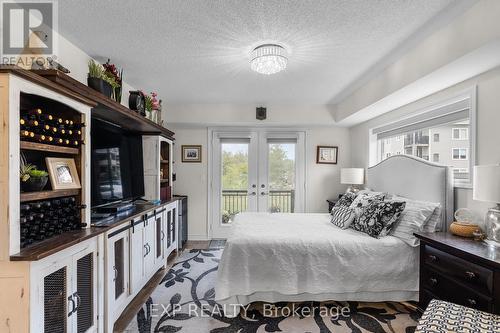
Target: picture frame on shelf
[(63, 174), (327, 154), (191, 153)]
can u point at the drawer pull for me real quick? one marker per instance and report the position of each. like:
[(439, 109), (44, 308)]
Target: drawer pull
[(471, 302), (433, 258), (433, 281), (470, 275)]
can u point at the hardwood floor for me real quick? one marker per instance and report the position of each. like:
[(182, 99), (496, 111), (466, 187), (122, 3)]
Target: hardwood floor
[(131, 310)]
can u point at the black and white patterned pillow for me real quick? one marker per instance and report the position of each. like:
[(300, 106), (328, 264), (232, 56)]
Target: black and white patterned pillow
[(342, 216), (363, 199), (345, 200), (378, 218)]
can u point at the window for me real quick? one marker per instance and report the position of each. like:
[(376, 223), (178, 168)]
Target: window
[(459, 153), (431, 135), (460, 133)]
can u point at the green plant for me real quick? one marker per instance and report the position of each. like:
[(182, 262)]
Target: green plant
[(27, 170), (109, 78), (95, 70), (38, 173), (149, 103)]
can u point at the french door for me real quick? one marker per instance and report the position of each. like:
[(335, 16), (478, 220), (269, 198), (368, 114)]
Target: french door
[(255, 171)]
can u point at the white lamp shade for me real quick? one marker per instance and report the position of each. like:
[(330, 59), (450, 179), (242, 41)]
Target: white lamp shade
[(352, 176), (487, 183)]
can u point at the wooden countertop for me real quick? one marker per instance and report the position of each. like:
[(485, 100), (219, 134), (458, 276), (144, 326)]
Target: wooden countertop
[(58, 243)]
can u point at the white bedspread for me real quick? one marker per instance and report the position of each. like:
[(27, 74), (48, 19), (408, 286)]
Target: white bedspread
[(290, 254)]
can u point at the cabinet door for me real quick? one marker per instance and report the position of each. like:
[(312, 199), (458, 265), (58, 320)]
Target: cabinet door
[(137, 253), (117, 269), (159, 238), (53, 306), (85, 290), (149, 242)]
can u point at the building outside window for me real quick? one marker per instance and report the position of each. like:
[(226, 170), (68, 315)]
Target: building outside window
[(448, 126)]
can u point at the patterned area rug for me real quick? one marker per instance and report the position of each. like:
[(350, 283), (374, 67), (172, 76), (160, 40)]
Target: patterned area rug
[(184, 302)]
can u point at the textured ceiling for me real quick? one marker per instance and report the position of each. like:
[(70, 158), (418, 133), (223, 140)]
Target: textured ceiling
[(198, 51)]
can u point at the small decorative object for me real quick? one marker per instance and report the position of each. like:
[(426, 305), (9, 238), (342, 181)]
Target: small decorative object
[(464, 229), (191, 153), (261, 113), (326, 154), (96, 79), (62, 173), (487, 188), (114, 79), (160, 108), (53, 64), (352, 177), (464, 215), (32, 180), (137, 102)]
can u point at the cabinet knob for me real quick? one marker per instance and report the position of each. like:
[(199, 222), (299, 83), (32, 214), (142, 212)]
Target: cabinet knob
[(433, 258), (472, 302), (470, 275), (433, 281)]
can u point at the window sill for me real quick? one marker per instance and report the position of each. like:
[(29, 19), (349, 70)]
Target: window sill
[(467, 186)]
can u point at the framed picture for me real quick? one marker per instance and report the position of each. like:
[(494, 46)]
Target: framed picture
[(62, 173), (327, 155), (191, 153)]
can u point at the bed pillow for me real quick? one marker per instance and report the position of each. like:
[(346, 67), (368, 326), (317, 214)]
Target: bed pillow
[(342, 216), (363, 199), (431, 225), (379, 217), (345, 200), (415, 215)]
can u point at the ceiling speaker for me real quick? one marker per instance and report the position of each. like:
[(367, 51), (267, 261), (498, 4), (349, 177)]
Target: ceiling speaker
[(261, 113)]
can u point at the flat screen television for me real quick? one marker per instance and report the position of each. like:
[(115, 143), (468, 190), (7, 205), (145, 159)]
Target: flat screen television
[(117, 170)]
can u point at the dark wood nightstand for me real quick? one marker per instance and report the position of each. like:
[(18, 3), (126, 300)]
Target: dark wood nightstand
[(459, 270), (331, 203)]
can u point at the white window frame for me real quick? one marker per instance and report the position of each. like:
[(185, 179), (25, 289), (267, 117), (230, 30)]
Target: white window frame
[(434, 136), (434, 159), (459, 131), (459, 159), (471, 93)]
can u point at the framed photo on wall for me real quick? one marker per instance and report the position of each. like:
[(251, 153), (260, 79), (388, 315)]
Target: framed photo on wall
[(62, 173), (191, 153), (327, 154)]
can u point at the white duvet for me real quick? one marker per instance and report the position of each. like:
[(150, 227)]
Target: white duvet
[(272, 255)]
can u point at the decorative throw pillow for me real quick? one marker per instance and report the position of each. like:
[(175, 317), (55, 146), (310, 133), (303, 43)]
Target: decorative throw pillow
[(379, 217), (342, 216), (416, 214), (345, 200), (363, 199)]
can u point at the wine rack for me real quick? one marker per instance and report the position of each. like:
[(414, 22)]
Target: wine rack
[(44, 219), (37, 125)]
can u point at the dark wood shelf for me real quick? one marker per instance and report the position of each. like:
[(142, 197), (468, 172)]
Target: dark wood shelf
[(26, 145), (164, 161), (163, 181), (43, 195), (106, 108)]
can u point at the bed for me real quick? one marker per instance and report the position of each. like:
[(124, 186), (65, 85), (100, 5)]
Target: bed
[(302, 257)]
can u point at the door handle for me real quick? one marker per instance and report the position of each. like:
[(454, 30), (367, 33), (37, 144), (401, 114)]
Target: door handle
[(262, 186), (263, 193), (252, 193), (145, 250), (254, 186), (162, 235), (78, 301), (70, 299), (116, 273)]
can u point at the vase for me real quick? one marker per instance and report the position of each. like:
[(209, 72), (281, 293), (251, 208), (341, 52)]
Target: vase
[(34, 184), (100, 85), (118, 94)]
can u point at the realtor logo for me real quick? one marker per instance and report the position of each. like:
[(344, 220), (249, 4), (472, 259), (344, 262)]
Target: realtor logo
[(27, 27)]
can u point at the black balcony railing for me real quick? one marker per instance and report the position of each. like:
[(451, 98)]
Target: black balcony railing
[(235, 201)]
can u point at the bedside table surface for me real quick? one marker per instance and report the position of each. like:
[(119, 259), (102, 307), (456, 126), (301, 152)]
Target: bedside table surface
[(481, 251)]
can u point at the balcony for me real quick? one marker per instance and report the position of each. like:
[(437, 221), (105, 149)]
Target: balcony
[(235, 201), (417, 140)]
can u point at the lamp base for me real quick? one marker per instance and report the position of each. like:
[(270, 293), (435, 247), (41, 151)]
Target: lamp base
[(492, 224), (353, 189)]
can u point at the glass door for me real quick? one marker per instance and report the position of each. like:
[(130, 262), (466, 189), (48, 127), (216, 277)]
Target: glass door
[(257, 171)]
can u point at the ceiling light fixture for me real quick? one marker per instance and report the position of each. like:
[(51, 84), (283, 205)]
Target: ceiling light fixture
[(268, 59)]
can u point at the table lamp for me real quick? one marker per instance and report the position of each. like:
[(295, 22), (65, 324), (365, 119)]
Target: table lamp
[(487, 189), (352, 177)]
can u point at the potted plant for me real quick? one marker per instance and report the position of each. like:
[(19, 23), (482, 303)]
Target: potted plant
[(32, 180), (97, 80), (115, 79)]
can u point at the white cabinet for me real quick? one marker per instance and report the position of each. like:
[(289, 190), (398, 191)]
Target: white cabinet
[(171, 227), (117, 273), (158, 163), (137, 253), (64, 291)]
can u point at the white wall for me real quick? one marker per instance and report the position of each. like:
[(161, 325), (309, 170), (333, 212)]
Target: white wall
[(488, 133), (322, 181)]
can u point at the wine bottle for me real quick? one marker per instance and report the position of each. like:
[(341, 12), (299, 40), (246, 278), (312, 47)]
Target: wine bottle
[(46, 204), (59, 120), (45, 118), (22, 122), (34, 112), (41, 138), (33, 124), (24, 208), (36, 205), (62, 129), (25, 134)]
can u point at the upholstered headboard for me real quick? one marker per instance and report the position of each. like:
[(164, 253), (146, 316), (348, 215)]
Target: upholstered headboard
[(417, 179)]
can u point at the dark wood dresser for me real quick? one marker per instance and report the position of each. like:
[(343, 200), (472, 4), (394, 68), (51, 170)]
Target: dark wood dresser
[(459, 270)]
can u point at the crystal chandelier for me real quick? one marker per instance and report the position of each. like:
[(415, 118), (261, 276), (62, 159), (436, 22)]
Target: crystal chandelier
[(268, 59)]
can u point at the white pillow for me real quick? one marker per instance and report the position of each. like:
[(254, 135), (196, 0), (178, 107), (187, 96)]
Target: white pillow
[(414, 217), (433, 221)]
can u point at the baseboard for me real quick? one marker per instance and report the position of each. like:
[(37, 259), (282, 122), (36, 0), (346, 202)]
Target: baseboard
[(198, 238)]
